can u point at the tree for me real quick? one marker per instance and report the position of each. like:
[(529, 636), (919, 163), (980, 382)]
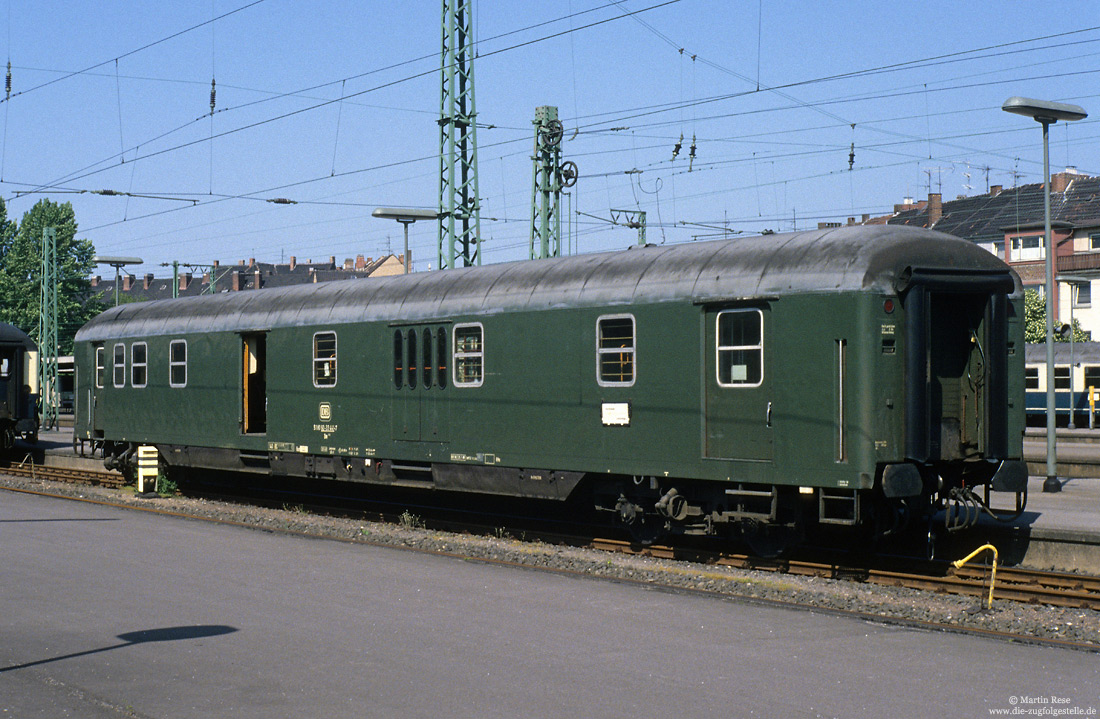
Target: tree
[(21, 269), (1035, 322)]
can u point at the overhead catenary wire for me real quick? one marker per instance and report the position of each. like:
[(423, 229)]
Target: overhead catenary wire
[(134, 51), (636, 147), (375, 88), (707, 100)]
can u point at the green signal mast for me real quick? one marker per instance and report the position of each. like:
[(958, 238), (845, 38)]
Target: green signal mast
[(550, 175), (459, 211)]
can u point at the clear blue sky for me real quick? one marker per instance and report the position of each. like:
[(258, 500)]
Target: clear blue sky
[(915, 79)]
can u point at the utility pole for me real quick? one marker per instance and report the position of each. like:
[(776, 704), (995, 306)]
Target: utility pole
[(459, 209), (550, 175), (47, 332)]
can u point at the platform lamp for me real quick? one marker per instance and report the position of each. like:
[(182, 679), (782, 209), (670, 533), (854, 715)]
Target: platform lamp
[(118, 263), (406, 216), (1047, 113)]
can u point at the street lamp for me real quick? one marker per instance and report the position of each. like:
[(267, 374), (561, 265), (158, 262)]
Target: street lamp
[(406, 216), (1047, 113), (118, 263)]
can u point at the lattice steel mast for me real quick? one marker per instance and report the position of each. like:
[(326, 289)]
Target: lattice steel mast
[(550, 175), (459, 216), (47, 332)]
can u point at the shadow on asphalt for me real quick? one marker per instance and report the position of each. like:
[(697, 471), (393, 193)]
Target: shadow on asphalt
[(145, 636)]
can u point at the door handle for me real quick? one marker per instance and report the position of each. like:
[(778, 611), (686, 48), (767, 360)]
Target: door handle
[(768, 416)]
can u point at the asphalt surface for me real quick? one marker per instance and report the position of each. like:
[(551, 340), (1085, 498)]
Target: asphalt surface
[(107, 613)]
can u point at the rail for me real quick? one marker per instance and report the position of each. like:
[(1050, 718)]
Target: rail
[(27, 468), (1059, 589)]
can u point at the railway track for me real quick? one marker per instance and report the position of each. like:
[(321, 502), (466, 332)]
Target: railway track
[(1012, 583), (1057, 589), (94, 478)]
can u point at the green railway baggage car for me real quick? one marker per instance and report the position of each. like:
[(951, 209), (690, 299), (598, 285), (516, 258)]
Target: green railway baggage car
[(849, 377)]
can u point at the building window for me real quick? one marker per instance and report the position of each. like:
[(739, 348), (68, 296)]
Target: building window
[(1025, 249), (100, 367), (177, 363), (139, 364), (740, 348), (1082, 294), (1094, 241), (324, 359), (615, 351), (1031, 377), (997, 248), (469, 355), (120, 366)]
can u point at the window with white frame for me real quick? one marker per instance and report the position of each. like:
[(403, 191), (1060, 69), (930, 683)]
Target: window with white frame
[(324, 359), (615, 351), (469, 355), (177, 363), (1092, 377), (100, 367), (119, 366), (1024, 249), (1082, 294), (997, 248), (139, 364), (740, 348)]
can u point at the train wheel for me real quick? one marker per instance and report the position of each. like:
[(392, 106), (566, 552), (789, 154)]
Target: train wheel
[(769, 540)]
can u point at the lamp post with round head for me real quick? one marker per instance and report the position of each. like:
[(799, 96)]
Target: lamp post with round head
[(1047, 113)]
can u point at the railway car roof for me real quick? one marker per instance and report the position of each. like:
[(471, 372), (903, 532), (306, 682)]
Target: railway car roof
[(10, 334), (831, 260), (1087, 352)]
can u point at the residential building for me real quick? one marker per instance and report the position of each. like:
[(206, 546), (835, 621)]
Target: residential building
[(244, 276), (1009, 223)]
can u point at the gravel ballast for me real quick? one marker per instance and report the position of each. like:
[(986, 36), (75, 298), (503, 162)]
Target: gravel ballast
[(875, 602)]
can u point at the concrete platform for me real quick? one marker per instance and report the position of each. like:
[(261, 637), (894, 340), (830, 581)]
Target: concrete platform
[(1077, 450), (1058, 531), (111, 613), (54, 448)]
